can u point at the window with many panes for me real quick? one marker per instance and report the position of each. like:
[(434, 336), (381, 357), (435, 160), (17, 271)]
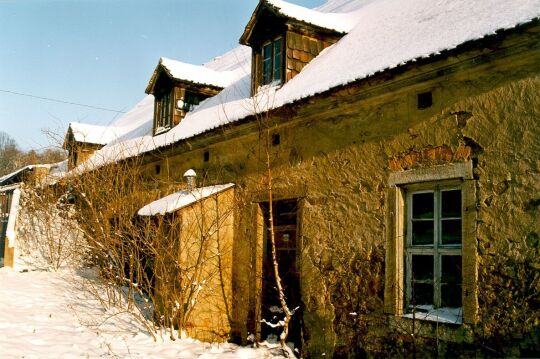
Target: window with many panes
[(164, 112), (433, 253), (272, 60)]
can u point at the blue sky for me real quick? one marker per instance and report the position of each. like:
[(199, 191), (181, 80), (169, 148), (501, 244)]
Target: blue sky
[(100, 53)]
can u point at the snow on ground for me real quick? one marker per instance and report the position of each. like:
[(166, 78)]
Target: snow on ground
[(48, 315)]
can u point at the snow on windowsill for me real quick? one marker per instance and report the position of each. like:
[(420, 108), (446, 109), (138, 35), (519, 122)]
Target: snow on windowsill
[(440, 315), (161, 130), (272, 86)]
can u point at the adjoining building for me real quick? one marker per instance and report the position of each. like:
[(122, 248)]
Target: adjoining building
[(9, 203)]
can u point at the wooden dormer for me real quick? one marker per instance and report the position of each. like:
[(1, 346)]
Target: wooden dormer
[(82, 140), (179, 87), (282, 44)]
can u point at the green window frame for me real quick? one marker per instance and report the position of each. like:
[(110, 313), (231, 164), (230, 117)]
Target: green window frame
[(272, 61)]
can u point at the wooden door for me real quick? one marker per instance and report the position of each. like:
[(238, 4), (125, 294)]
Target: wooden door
[(285, 229)]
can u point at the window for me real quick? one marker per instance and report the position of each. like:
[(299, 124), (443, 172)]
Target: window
[(433, 254), (272, 55), (431, 261), (163, 112)]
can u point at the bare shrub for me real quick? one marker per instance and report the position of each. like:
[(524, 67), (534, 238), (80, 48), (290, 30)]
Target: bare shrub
[(106, 201), (47, 228), (160, 268)]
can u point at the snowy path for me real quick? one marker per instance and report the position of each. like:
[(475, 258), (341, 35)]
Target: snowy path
[(41, 315)]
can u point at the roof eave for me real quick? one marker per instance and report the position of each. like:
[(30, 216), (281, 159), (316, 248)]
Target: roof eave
[(150, 88), (245, 39), (248, 30), (157, 71), (69, 133)]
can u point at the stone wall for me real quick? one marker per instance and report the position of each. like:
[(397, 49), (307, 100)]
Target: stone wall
[(336, 158)]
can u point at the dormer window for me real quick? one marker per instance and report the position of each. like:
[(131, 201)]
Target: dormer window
[(163, 112), (179, 87), (285, 37), (272, 61)]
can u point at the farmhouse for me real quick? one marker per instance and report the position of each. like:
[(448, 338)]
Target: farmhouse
[(400, 144)]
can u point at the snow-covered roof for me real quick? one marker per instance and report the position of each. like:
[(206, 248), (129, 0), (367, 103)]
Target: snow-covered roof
[(340, 22), (343, 5), (232, 60), (136, 122), (386, 34), (181, 199), (95, 134), (182, 71), (6, 178), (333, 21), (57, 169)]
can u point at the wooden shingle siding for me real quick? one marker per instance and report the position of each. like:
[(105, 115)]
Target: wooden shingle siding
[(301, 49)]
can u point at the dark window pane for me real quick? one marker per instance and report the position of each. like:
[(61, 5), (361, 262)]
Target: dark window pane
[(451, 269), (451, 281), (422, 232), (451, 204), (422, 205), (277, 46), (267, 51), (422, 267), (422, 294), (451, 231), (277, 59), (165, 110), (267, 64), (450, 295)]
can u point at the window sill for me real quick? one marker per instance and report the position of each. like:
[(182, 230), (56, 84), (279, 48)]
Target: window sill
[(160, 130), (272, 86), (440, 315)]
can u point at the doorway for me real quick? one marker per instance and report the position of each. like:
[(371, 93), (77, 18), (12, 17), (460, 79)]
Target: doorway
[(285, 215)]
